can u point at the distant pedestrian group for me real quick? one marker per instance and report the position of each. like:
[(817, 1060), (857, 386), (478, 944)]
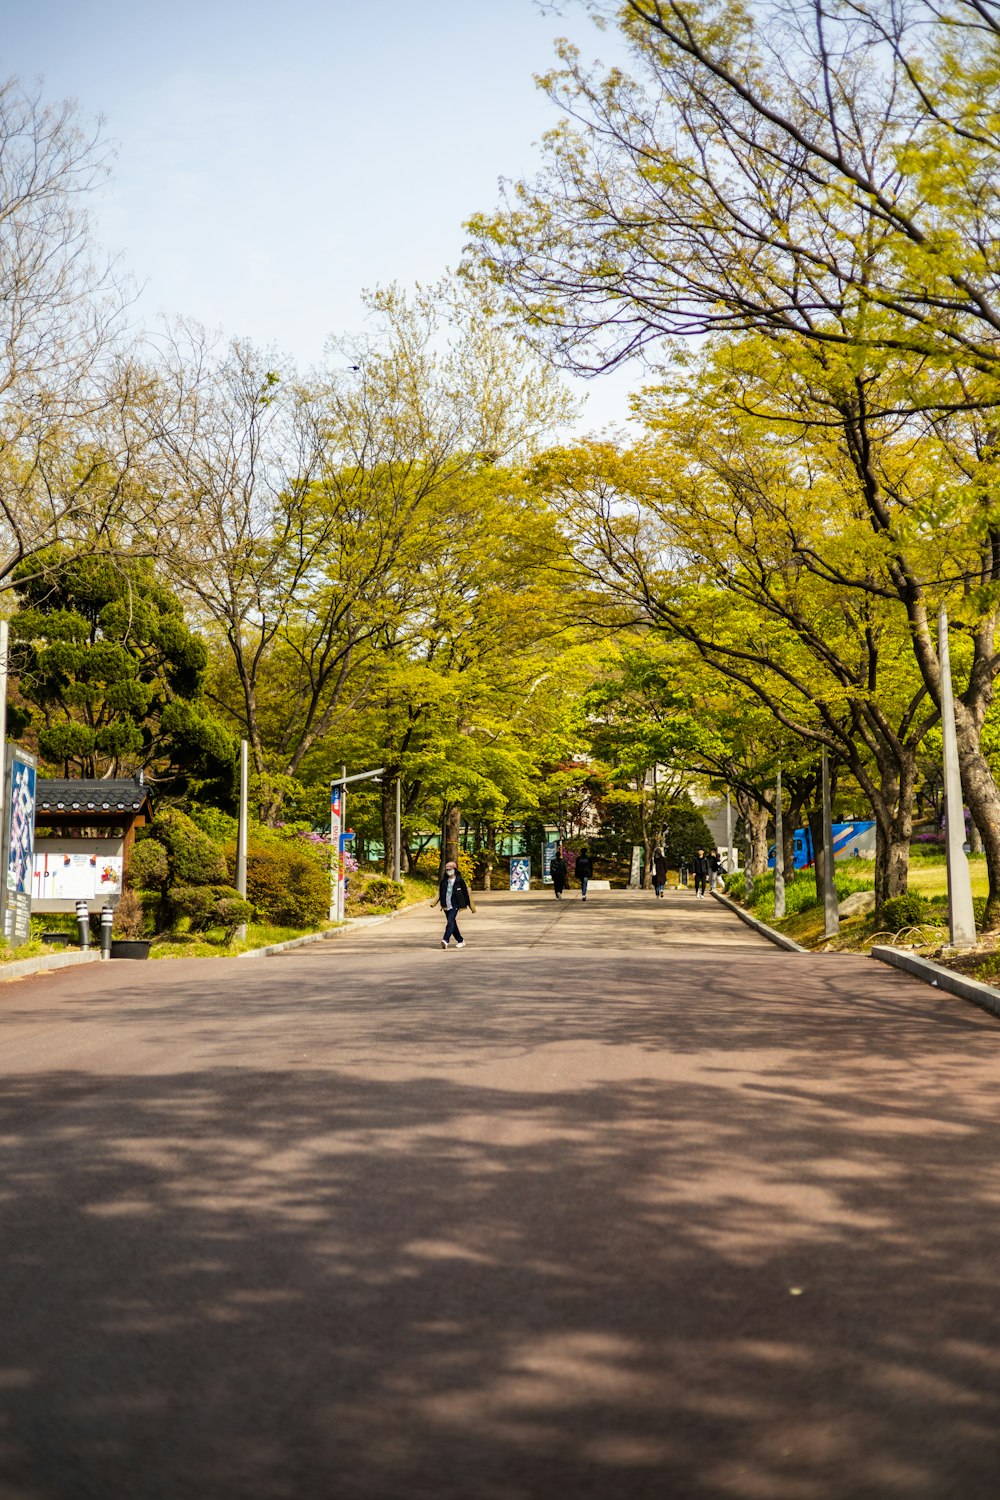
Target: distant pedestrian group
[(559, 871)]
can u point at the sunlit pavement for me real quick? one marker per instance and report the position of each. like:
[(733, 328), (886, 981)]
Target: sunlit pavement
[(616, 1201)]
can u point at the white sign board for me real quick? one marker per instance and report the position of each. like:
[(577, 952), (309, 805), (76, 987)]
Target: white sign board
[(75, 877)]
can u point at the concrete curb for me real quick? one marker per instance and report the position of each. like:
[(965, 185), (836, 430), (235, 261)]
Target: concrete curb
[(21, 968), (778, 938), (983, 995)]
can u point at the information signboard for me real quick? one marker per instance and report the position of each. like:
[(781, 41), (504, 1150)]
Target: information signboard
[(65, 876), (520, 872), (18, 845), (551, 850), (336, 854)]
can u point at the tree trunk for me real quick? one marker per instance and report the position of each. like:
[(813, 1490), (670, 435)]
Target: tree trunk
[(975, 838), (815, 816), (489, 856), (893, 829), (756, 817), (387, 814), (983, 798), (452, 831)]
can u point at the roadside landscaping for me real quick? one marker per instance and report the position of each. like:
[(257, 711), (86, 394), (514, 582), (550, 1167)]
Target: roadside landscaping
[(918, 920), (180, 895)]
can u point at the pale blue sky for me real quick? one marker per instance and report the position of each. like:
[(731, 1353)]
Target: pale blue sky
[(276, 156)]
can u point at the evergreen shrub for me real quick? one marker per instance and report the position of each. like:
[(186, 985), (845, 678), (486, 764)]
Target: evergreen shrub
[(908, 910), (379, 890), (287, 884), (194, 859), (148, 866), (211, 906)]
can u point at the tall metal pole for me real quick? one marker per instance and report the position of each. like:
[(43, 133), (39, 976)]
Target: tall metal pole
[(3, 705), (336, 793), (341, 873), (397, 843), (961, 917), (729, 835), (3, 755), (830, 911), (779, 853), (241, 836)]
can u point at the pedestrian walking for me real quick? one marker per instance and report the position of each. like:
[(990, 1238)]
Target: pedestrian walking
[(682, 873), (453, 897), (559, 870), (585, 869), (701, 866), (717, 882), (659, 871)]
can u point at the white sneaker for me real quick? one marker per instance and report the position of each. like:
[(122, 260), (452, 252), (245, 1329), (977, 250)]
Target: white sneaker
[(443, 943), (461, 944)]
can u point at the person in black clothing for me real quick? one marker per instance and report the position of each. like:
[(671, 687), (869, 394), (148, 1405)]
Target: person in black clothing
[(585, 869), (453, 897), (659, 871), (559, 870), (702, 867), (683, 871)]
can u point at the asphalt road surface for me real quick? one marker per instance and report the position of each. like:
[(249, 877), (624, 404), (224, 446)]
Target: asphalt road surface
[(619, 1201)]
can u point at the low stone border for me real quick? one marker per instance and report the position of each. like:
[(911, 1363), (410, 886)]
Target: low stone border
[(22, 967), (772, 936), (983, 995)]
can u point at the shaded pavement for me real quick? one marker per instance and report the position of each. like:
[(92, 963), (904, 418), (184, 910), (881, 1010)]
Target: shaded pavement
[(617, 1201)]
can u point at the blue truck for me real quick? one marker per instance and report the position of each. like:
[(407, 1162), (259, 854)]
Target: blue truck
[(850, 841)]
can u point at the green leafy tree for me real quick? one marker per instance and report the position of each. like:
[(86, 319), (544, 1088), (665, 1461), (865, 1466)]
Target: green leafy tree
[(109, 677)]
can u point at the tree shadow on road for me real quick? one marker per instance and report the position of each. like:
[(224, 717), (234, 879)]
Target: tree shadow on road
[(269, 1283)]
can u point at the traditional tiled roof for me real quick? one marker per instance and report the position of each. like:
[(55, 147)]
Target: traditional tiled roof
[(76, 795)]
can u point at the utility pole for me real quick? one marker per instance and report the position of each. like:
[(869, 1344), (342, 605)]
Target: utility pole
[(397, 851), (779, 852), (3, 708), (830, 912), (338, 825), (961, 915), (341, 872), (729, 834), (241, 837)]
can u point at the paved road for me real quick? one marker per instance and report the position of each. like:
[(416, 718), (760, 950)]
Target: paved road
[(616, 1202)]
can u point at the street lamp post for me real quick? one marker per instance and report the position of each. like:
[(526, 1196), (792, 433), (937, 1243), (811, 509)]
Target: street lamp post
[(830, 912), (779, 853), (961, 914), (241, 837)]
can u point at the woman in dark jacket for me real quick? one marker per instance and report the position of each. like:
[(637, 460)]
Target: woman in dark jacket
[(584, 869), (659, 871), (453, 897)]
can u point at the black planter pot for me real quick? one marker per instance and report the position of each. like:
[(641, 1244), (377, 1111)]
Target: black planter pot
[(58, 939), (130, 947)]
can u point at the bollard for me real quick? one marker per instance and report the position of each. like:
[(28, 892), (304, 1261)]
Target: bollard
[(107, 919), (83, 923)]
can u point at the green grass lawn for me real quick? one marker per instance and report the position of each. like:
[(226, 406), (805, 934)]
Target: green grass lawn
[(931, 879)]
